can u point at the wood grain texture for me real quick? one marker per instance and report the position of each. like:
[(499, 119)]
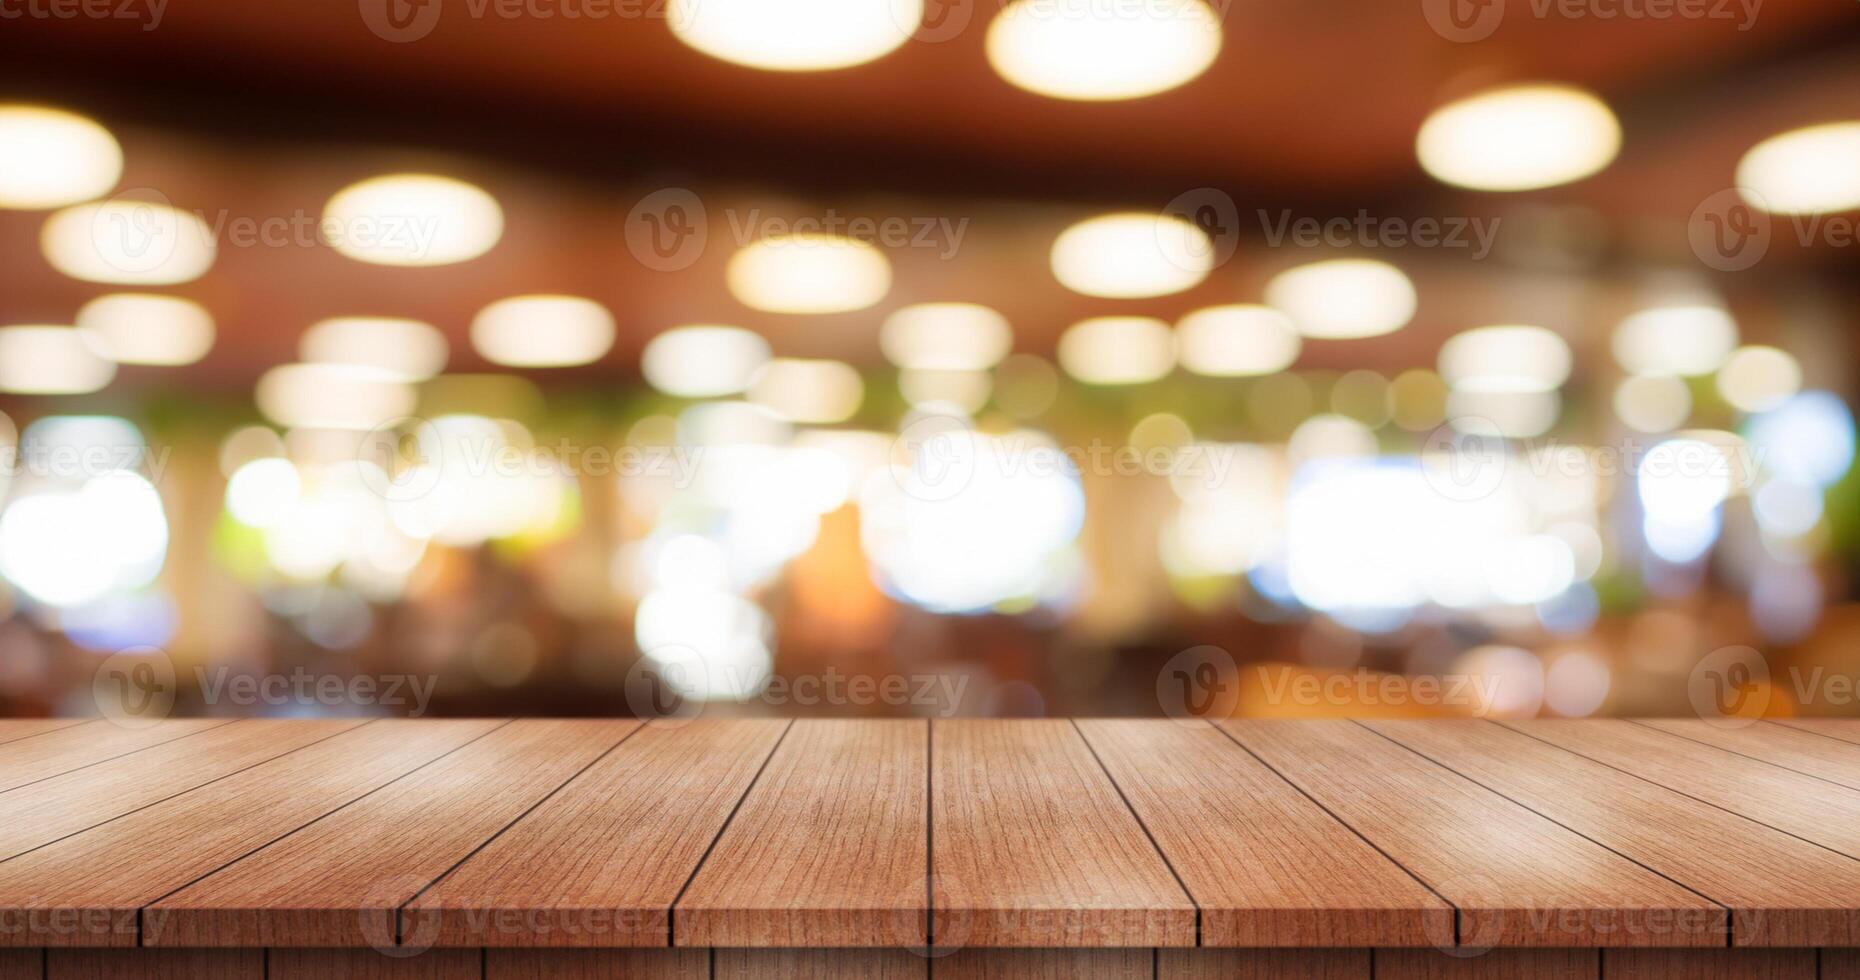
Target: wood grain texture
[(1807, 807), (74, 747), (1266, 866), (1783, 891), (86, 889), (155, 964), (1839, 964), (1805, 752), (830, 848), (597, 964), (1845, 729), (1047, 964), (33, 816), (1263, 964), (600, 863), (1700, 964), (342, 880), (1517, 878), (819, 964), (1495, 964), (1032, 845), (367, 964), (14, 729), (22, 964)]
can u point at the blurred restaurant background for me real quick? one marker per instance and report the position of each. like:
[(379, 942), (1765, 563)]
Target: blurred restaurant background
[(1019, 357)]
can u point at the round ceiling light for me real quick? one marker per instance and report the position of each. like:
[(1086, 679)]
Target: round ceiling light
[(1094, 51), (1804, 171), (142, 328), (50, 158), (1340, 299), (1519, 138), (1132, 255), (412, 220), (543, 331), (795, 35), (809, 273)]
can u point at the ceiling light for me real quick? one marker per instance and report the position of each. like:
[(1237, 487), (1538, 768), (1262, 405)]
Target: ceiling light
[(132, 243), (1237, 340), (412, 220), (1804, 171), (1519, 138), (47, 360), (142, 328), (946, 337), (50, 158), (1117, 350), (1132, 255), (1340, 299), (821, 392), (1093, 51), (703, 361), (796, 35), (809, 273), (1686, 340), (333, 396), (542, 331), (409, 348), (1757, 379), (1507, 358)]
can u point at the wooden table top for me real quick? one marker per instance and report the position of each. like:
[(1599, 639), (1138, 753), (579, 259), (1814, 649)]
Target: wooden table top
[(972, 833)]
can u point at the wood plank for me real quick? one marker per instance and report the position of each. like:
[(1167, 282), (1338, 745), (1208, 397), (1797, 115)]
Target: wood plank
[(1783, 891), (13, 729), (1032, 846), (1263, 964), (600, 863), (86, 889), (1517, 878), (1700, 964), (1047, 964), (1266, 866), (819, 964), (342, 880), (368, 964), (1804, 752), (22, 964), (64, 749), (597, 964), (831, 848), (155, 964), (1845, 729), (33, 816), (1839, 964), (1496, 964), (1807, 807)]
